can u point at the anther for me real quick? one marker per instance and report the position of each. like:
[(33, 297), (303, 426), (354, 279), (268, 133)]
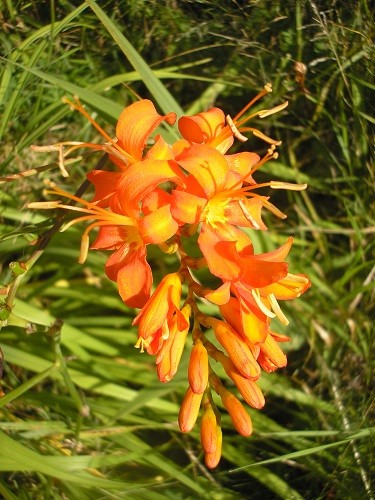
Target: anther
[(276, 109), (276, 308), (247, 215), (268, 87), (287, 185), (260, 304), (265, 138), (235, 130), (296, 278)]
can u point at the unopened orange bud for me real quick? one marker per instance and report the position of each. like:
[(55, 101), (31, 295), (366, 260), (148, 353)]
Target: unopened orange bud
[(189, 410), (169, 356), (239, 416), (238, 351), (212, 459), (270, 349), (198, 368), (247, 387), (209, 424)]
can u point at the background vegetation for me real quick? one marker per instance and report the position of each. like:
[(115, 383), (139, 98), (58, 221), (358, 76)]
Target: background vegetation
[(83, 415)]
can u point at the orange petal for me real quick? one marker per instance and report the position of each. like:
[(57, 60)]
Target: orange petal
[(251, 216), (136, 123), (160, 150), (203, 127), (254, 323), (207, 165), (113, 237), (271, 350), (155, 199), (105, 184), (222, 256), (247, 320), (239, 416), (133, 276), (238, 351), (287, 289), (277, 255), (258, 273), (163, 303), (212, 459), (241, 165), (169, 356), (139, 180), (158, 226), (220, 296), (187, 207), (209, 424)]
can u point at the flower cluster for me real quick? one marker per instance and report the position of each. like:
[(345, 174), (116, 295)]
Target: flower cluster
[(169, 195)]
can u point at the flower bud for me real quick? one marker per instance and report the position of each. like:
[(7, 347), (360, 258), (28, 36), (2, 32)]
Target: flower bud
[(209, 426), (169, 356), (198, 368), (271, 356), (239, 416), (212, 459), (189, 410), (247, 387), (238, 351)]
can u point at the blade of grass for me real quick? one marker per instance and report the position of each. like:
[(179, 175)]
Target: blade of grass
[(162, 96)]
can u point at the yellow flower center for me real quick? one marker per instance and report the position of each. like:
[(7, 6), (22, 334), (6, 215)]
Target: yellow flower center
[(214, 211)]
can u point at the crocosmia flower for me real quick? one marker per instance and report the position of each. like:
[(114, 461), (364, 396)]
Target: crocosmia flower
[(174, 196)]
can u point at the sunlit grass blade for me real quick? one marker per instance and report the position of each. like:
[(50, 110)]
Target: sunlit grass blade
[(161, 95)]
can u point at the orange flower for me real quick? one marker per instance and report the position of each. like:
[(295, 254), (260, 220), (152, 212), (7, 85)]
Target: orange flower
[(125, 229), (258, 281), (134, 126), (212, 191), (213, 128), (162, 195)]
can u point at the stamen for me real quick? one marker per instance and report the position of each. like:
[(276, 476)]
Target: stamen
[(287, 185), (78, 106), (267, 88), (247, 215), (265, 138), (235, 130), (262, 307), (84, 250), (276, 109), (267, 204), (276, 308), (63, 170)]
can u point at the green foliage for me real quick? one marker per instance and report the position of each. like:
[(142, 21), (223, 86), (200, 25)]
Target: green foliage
[(83, 415)]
